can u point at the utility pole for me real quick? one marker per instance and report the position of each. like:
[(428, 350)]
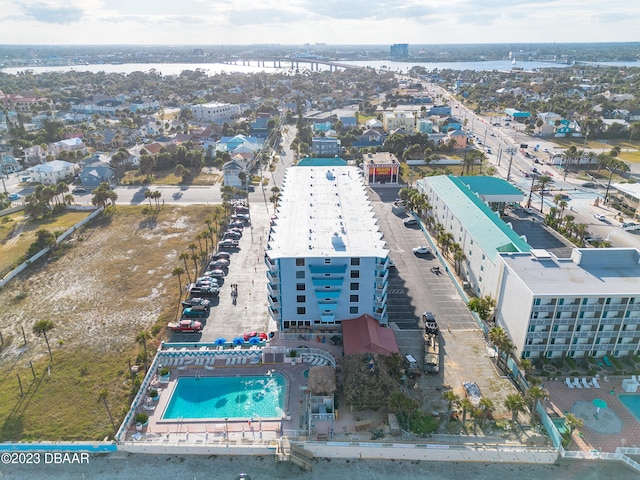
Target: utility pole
[(531, 191)]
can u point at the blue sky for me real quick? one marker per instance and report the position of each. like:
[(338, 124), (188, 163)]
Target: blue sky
[(215, 22)]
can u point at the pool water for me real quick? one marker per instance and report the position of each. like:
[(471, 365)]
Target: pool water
[(560, 425), (632, 403), (259, 397)]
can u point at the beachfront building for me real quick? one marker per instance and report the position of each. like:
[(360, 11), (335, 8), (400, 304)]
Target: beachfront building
[(215, 112), (326, 258), (585, 305), (466, 208)]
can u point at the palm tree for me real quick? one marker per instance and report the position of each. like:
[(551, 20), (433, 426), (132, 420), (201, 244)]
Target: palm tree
[(533, 396), (41, 327), (543, 181), (102, 397), (142, 338), (148, 194), (486, 404), (466, 405), (194, 257), (573, 422), (451, 399), (184, 256), (515, 404), (178, 271), (501, 340)]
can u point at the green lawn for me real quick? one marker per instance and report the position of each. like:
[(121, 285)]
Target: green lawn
[(18, 233), (629, 151), (64, 404)]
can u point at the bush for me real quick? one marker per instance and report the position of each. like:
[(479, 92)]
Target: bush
[(142, 418), (163, 372), (153, 393)]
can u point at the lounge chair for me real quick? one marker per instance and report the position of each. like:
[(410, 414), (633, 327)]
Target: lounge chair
[(228, 361), (233, 361), (576, 383), (607, 361), (634, 378), (585, 384), (594, 380), (209, 367), (568, 382), (149, 407)]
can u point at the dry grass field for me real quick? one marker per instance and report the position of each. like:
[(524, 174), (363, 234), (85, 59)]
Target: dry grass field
[(113, 281)]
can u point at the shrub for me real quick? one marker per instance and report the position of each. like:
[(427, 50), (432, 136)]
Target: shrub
[(163, 372), (142, 418)]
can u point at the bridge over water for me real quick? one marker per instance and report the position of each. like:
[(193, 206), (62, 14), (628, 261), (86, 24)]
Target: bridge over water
[(290, 62)]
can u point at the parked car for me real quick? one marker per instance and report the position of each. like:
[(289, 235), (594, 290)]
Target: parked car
[(229, 243), (204, 291), (236, 224), (410, 222), (219, 255), (251, 188), (589, 185), (192, 302), (217, 273), (430, 324), (232, 234), (220, 263), (600, 217), (14, 196), (197, 311), (186, 326), (79, 190), (421, 250)]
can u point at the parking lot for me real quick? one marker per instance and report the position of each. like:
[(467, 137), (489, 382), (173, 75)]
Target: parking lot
[(415, 288), (229, 319)]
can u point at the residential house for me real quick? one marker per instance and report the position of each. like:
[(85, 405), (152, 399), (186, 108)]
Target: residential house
[(94, 174), (322, 126), (50, 173), (325, 146), (259, 127), (399, 119), (349, 122), (231, 172), (374, 124), (369, 138), (460, 139), (424, 125), (9, 164), (449, 123)]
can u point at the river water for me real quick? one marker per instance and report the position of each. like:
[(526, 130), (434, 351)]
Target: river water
[(215, 68)]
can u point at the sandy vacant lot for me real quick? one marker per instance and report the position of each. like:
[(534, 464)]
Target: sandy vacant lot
[(114, 281)]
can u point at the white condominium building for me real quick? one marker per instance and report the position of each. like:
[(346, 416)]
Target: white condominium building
[(326, 258), (586, 305), (215, 112)]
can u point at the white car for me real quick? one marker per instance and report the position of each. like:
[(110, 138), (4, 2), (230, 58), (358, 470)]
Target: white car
[(410, 222), (421, 250), (600, 217)]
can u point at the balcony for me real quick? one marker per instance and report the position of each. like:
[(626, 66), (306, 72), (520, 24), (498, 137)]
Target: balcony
[(275, 314), (273, 277), (274, 290), (274, 303)]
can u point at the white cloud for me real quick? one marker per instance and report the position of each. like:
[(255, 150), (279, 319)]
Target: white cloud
[(309, 21)]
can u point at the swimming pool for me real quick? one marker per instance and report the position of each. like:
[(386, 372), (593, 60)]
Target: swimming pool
[(632, 403), (248, 397)]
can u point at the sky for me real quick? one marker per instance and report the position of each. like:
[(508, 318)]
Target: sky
[(297, 22)]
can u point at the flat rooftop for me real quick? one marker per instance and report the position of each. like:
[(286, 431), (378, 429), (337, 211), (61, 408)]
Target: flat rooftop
[(589, 271), (324, 212)]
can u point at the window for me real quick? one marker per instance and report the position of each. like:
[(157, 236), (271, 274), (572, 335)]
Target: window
[(534, 315), (548, 354), (354, 286), (327, 261), (526, 354), (557, 314), (561, 301), (571, 353), (301, 310), (536, 301), (581, 315), (353, 310), (300, 287), (555, 328), (300, 274), (532, 328), (355, 262), (355, 273), (608, 301), (299, 262), (584, 301), (301, 298), (354, 298)]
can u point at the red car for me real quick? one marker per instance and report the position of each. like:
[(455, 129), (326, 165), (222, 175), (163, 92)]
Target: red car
[(185, 325)]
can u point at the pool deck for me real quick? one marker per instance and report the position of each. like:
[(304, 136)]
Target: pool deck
[(563, 400), (346, 425)]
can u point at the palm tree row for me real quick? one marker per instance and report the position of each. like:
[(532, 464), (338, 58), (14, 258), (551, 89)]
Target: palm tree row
[(206, 244)]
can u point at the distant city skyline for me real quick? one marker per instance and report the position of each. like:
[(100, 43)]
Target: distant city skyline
[(338, 22)]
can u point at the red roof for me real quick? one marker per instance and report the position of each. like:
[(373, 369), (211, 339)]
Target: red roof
[(365, 335)]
